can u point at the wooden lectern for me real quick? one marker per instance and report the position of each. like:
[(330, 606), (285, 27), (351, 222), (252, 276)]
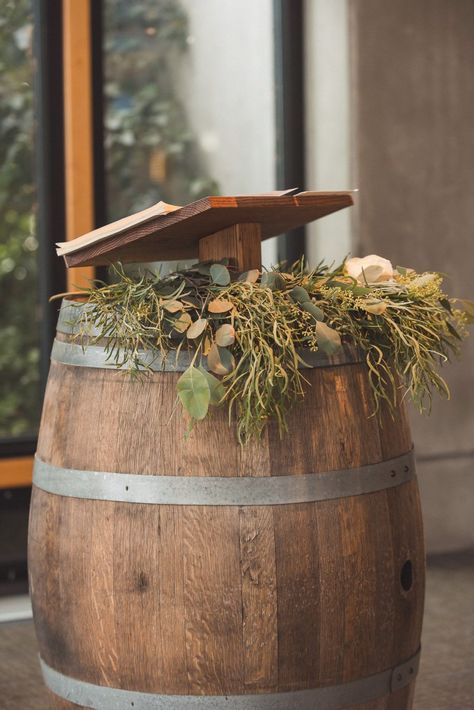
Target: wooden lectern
[(210, 229)]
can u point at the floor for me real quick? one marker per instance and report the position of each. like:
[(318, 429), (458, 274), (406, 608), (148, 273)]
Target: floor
[(446, 680)]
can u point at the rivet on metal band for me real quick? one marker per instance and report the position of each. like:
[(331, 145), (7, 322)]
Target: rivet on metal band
[(223, 490), (334, 697)]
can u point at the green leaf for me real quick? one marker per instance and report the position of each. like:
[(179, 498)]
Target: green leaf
[(360, 290), (300, 295), (273, 281), (216, 387), (329, 339), (312, 308), (194, 392), (334, 283), (220, 360), (220, 275), (404, 270), (203, 268)]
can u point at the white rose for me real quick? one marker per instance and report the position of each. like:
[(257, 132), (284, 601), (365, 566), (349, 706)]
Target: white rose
[(371, 269)]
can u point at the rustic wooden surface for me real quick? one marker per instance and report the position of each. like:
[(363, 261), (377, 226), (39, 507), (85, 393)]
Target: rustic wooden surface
[(445, 680), (176, 235), (241, 243), (222, 600)]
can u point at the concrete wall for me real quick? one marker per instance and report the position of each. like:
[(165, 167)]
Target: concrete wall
[(413, 108), (227, 84)]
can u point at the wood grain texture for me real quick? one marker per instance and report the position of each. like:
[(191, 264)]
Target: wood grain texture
[(177, 235), (241, 243), (259, 599), (78, 139), (223, 600)]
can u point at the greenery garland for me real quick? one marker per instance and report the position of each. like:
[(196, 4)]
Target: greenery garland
[(247, 332)]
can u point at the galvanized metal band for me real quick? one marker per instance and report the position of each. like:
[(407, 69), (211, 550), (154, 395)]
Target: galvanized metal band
[(223, 490), (333, 697), (96, 356), (72, 322), (71, 319)]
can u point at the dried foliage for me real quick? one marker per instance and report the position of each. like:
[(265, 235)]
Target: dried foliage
[(247, 333)]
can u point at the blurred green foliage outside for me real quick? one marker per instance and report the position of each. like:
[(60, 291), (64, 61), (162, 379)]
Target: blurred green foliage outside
[(150, 150), (19, 329), (150, 154)]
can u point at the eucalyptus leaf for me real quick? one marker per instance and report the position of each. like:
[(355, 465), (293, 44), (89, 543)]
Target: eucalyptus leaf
[(334, 283), (203, 268), (219, 305), (173, 306), (182, 323), (329, 339), (197, 328), (216, 387), (273, 280), (249, 276), (360, 290), (312, 308), (300, 295), (220, 360), (194, 392), (225, 335), (220, 274)]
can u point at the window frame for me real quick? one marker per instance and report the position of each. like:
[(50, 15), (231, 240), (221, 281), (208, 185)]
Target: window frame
[(16, 453), (50, 161)]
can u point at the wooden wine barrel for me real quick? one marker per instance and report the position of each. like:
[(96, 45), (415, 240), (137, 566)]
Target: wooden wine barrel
[(194, 574)]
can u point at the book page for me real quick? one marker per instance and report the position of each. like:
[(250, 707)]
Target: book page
[(109, 230)]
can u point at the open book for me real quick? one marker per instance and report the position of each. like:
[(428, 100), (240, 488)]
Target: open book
[(120, 225)]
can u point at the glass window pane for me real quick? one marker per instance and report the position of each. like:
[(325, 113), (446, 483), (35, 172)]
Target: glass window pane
[(190, 107), (19, 329)]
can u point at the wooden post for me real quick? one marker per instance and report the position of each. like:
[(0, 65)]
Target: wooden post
[(78, 129), (241, 243)]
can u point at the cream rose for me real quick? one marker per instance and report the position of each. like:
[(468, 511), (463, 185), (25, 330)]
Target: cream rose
[(371, 269)]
